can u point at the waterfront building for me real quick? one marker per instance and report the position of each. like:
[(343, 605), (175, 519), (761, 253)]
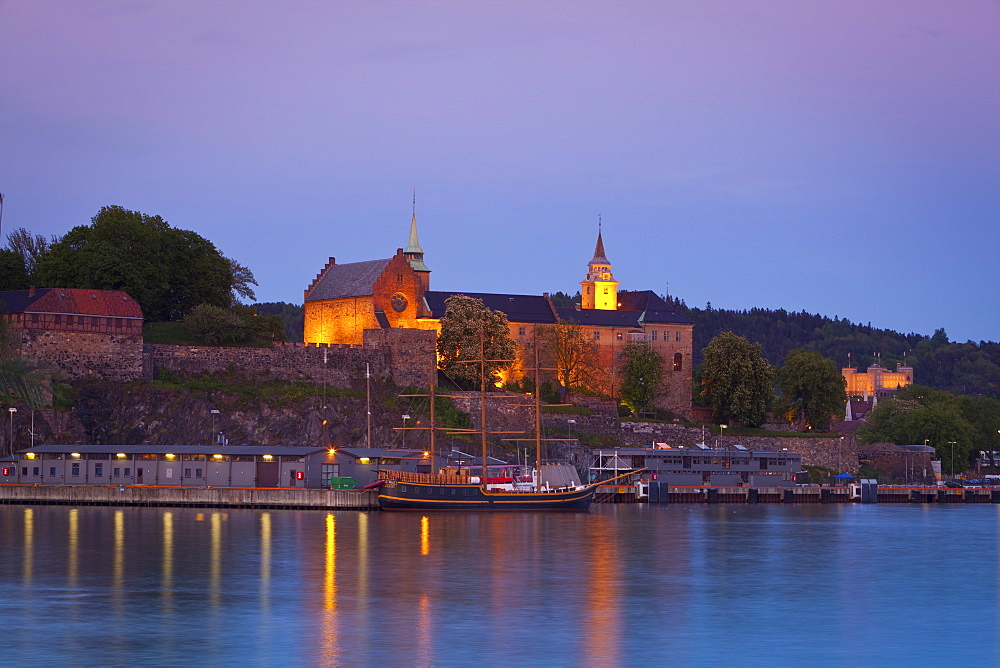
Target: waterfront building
[(215, 465), (700, 466)]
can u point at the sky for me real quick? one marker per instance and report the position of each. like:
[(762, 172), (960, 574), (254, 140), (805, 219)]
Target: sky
[(837, 157)]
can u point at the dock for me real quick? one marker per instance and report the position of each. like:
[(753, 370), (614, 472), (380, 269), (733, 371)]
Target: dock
[(192, 497), (662, 493)]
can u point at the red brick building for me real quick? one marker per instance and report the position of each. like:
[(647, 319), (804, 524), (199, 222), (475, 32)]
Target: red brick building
[(86, 333)]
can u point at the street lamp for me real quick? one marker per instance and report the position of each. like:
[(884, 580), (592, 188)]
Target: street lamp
[(11, 440), (214, 413), (405, 418), (571, 423), (722, 433), (952, 444)]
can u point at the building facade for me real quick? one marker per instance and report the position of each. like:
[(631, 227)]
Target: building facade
[(876, 381)]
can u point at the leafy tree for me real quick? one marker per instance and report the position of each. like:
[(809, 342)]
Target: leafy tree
[(13, 275), (470, 333), (574, 355), (168, 271), (640, 375), (215, 325), (736, 380), (242, 279), (813, 388), (293, 316), (919, 414), (561, 299), (30, 247)]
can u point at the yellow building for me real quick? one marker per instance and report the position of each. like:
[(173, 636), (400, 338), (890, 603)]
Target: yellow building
[(877, 381)]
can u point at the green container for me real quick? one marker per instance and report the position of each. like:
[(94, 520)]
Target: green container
[(342, 483)]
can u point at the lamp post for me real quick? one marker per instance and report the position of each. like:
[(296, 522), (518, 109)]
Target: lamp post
[(722, 428), (952, 444), (214, 413), (11, 440), (405, 418), (571, 423)]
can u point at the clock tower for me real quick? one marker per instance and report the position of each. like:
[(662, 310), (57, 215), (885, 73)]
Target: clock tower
[(600, 289)]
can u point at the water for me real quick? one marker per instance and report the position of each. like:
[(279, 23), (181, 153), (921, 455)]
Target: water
[(683, 585)]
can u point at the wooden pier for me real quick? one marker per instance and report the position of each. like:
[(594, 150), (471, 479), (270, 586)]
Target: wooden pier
[(195, 497)]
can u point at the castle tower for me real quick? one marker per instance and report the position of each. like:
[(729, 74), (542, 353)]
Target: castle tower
[(600, 289), (414, 253)]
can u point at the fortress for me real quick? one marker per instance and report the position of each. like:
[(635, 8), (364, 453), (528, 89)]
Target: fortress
[(345, 301)]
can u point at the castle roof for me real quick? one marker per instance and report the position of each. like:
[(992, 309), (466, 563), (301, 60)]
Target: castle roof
[(517, 308), (414, 253), (71, 301), (354, 279), (636, 308)]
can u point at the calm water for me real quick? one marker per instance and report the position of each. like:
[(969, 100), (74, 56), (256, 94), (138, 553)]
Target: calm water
[(622, 585)]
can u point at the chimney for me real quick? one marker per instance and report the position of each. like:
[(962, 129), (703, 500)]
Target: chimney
[(31, 291)]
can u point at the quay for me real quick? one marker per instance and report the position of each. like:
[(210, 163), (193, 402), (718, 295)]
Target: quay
[(652, 492), (359, 499), (194, 497)]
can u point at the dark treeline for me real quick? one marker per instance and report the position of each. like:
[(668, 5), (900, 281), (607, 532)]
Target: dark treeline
[(962, 368)]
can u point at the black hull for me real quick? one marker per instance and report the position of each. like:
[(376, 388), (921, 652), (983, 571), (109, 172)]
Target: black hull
[(399, 495)]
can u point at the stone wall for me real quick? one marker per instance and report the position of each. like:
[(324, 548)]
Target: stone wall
[(340, 366), (85, 355)]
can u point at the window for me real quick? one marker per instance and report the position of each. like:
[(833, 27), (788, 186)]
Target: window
[(128, 472), (24, 470), (52, 471), (187, 473), (58, 319), (399, 278), (34, 471), (678, 361), (76, 470), (328, 471), (653, 335), (619, 336), (34, 318), (93, 322), (597, 336), (197, 473), (98, 469), (677, 336), (117, 472), (521, 331)]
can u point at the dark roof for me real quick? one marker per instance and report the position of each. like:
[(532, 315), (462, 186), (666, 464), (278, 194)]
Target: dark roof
[(294, 451), (73, 301), (517, 308), (592, 317), (654, 309), (355, 279)]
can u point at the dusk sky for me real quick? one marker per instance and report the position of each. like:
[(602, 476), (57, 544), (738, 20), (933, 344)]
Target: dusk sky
[(837, 157)]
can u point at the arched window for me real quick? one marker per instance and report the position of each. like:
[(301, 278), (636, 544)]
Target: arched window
[(678, 361)]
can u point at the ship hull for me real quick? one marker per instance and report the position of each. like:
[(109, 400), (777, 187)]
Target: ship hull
[(400, 495)]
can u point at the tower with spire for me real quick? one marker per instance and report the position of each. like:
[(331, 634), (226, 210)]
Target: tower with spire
[(600, 289), (413, 253)]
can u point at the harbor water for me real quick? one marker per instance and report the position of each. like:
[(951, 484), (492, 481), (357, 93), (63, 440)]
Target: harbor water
[(629, 585)]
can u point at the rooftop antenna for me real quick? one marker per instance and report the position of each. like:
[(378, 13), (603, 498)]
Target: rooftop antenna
[(414, 201)]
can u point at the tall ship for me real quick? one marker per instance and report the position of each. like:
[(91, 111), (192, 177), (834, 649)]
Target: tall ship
[(496, 488)]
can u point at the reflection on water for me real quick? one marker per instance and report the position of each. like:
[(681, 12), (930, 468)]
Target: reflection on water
[(628, 585)]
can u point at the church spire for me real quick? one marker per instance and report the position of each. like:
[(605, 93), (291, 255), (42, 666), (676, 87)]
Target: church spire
[(413, 252), (599, 290)]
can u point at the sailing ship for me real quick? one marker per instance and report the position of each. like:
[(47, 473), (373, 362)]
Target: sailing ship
[(400, 490)]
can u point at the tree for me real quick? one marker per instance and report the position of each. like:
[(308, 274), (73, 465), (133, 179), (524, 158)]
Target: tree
[(13, 275), (813, 388), (640, 374), (471, 332), (917, 415), (30, 248), (736, 380), (168, 271), (215, 325), (242, 280), (566, 347)]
